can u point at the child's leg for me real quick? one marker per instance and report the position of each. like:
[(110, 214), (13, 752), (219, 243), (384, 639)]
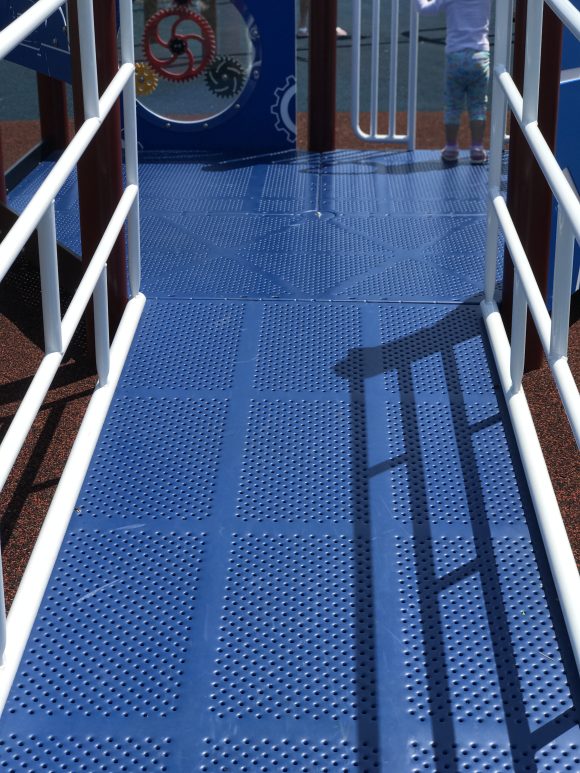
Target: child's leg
[(477, 103), (454, 101)]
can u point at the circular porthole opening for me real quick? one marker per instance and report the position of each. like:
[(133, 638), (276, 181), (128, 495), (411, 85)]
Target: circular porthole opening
[(194, 58)]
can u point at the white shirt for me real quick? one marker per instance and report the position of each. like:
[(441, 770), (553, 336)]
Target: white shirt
[(467, 22)]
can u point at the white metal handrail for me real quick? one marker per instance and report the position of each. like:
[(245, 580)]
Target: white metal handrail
[(553, 331), (391, 137), (58, 332)]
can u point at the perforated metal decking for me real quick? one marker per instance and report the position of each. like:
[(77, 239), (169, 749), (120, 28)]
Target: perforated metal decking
[(305, 542)]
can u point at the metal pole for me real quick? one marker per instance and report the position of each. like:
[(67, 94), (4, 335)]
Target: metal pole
[(322, 76), (53, 112), (2, 179), (529, 197), (100, 174)]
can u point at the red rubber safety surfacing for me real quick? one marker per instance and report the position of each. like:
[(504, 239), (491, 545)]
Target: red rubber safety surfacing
[(181, 64)]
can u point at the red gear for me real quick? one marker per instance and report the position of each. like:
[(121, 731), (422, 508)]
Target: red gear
[(178, 44)]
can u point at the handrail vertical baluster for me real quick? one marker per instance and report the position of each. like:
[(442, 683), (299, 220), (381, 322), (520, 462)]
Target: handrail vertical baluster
[(393, 67), (531, 91), (503, 27), (518, 347), (131, 149), (101, 317), (49, 284), (88, 53), (563, 267), (412, 78), (375, 64)]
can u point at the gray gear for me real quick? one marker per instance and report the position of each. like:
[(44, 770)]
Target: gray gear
[(225, 77)]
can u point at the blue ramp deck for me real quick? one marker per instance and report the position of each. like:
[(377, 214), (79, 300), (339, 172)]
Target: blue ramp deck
[(305, 542)]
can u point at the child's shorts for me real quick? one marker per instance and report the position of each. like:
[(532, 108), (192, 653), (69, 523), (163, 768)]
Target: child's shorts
[(466, 76)]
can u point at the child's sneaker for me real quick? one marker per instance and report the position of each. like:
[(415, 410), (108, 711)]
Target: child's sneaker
[(302, 32), (450, 154), (477, 154)]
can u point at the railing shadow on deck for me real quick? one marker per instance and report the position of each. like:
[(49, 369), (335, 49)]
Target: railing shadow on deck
[(525, 741)]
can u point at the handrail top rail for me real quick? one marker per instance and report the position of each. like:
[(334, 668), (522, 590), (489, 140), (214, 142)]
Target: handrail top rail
[(19, 29), (567, 13)]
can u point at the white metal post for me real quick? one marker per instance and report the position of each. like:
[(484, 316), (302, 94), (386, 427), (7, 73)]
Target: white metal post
[(88, 58), (131, 149), (413, 75), (101, 315), (532, 60), (563, 265), (375, 65), (393, 67), (48, 259), (503, 28), (518, 334), (355, 67)]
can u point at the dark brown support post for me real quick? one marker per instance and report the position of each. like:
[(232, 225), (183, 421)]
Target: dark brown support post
[(53, 112), (2, 179), (529, 197), (100, 174), (322, 76), (210, 13)]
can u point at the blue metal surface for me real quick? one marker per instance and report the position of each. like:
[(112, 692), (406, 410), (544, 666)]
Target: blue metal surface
[(305, 541)]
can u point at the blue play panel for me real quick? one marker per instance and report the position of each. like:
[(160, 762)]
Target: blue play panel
[(305, 542)]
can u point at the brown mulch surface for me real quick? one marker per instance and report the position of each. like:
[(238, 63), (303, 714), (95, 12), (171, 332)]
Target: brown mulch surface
[(29, 490), (429, 131), (31, 485)]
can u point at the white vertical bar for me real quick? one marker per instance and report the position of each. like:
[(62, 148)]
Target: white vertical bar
[(518, 336), (562, 288), (509, 54), (131, 147), (393, 65), (503, 28), (88, 58), (412, 83), (48, 259), (375, 64), (491, 253), (533, 60), (356, 66), (101, 314)]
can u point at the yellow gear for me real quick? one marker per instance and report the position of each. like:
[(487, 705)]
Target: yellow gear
[(146, 79)]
